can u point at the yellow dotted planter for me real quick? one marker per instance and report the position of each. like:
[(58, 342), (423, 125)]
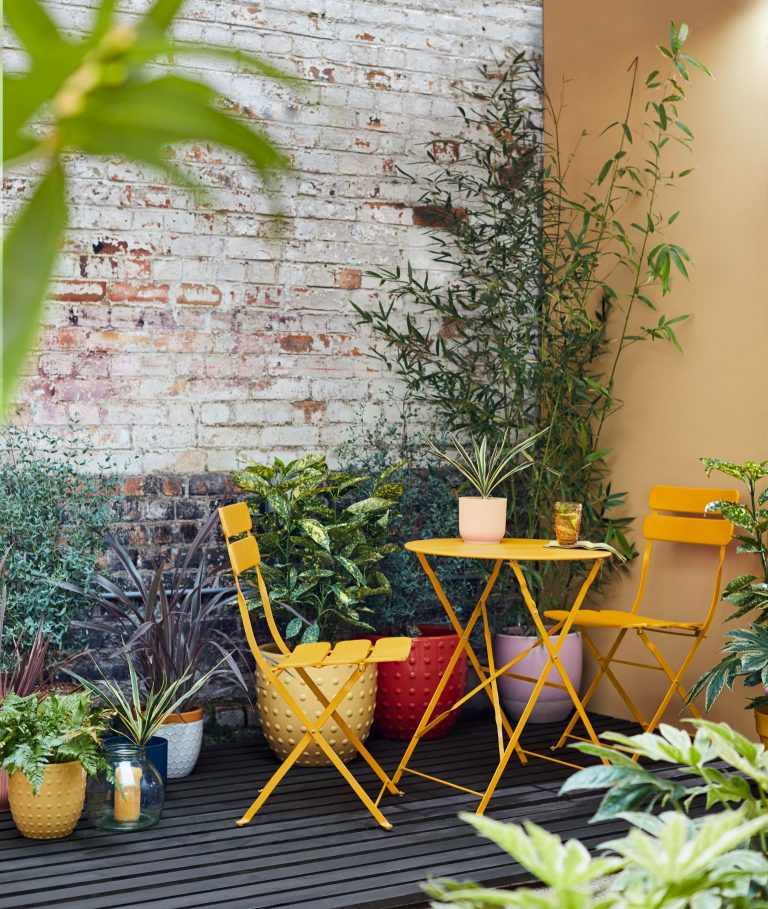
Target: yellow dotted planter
[(281, 728), (55, 810)]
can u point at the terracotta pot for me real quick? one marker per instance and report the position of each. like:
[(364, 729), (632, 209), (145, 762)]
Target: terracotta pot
[(281, 727), (55, 810), (553, 704), (482, 520), (405, 689), (3, 791), (184, 733)]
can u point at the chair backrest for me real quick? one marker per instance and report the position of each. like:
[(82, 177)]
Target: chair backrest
[(679, 515), (244, 556)]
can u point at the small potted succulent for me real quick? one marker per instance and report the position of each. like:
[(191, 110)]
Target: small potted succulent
[(746, 649), (170, 629), (483, 518), (49, 743), (322, 544)]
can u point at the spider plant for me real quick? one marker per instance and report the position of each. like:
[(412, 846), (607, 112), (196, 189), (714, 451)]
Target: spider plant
[(487, 467), (140, 714), (168, 628)]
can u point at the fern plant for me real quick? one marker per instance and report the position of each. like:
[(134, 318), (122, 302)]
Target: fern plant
[(38, 729)]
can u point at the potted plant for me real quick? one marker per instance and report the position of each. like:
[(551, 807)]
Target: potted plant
[(746, 649), (483, 518), (322, 543), (21, 670), (170, 630), (140, 715), (48, 744)]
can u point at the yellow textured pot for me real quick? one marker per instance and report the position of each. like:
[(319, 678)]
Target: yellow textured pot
[(281, 728), (55, 810), (761, 724)]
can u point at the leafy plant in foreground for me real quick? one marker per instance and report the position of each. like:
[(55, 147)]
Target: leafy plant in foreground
[(54, 509), (322, 542), (666, 862), (746, 649), (531, 325), (50, 729), (629, 786), (102, 95), (169, 627)]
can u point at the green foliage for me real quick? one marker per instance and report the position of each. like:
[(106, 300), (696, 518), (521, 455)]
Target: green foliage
[(746, 649), (322, 542), (484, 467), (743, 784), (427, 509), (53, 513), (50, 729), (168, 625), (666, 862), (102, 95), (514, 338), (140, 714)]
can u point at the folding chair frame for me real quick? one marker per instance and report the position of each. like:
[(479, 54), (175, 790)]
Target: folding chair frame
[(657, 527), (236, 522)]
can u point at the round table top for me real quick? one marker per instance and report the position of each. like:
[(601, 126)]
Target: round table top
[(517, 550)]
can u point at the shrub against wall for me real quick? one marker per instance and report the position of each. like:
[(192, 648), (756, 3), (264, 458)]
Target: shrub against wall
[(52, 517), (529, 331)]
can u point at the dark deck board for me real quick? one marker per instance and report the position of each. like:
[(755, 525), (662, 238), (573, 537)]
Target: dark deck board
[(313, 844)]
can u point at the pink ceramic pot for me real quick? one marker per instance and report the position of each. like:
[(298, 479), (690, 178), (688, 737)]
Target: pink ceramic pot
[(553, 704), (4, 806), (482, 520)]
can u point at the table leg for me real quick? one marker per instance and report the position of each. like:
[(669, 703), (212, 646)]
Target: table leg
[(457, 625), (553, 659)]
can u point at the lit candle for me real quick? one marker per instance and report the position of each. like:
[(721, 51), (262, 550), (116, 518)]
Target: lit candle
[(127, 792)]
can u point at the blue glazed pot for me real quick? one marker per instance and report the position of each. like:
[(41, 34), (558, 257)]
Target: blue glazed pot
[(157, 753)]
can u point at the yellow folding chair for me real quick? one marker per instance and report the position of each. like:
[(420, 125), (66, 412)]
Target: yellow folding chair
[(685, 521), (244, 555)]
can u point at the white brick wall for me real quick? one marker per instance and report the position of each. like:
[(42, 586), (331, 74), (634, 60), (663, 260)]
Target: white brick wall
[(179, 328)]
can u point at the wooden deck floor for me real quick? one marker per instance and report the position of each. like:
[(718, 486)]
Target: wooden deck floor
[(313, 845)]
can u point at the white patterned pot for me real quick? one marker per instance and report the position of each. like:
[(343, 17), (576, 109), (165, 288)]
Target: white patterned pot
[(184, 732)]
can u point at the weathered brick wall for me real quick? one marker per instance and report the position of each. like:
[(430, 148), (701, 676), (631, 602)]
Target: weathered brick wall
[(189, 335)]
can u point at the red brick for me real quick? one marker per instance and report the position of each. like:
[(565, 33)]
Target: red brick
[(296, 343), (434, 216), (138, 293), (172, 486), (79, 291), (107, 247), (348, 278), (309, 408), (199, 295), (133, 486)]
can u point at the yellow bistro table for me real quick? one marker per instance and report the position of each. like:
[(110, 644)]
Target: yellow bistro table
[(514, 552)]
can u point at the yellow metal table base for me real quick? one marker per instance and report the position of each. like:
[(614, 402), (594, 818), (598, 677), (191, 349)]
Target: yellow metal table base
[(513, 552)]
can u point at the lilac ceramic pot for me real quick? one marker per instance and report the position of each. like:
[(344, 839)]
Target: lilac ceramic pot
[(553, 703)]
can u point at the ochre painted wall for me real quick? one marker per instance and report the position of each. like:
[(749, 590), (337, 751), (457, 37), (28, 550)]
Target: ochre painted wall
[(712, 399)]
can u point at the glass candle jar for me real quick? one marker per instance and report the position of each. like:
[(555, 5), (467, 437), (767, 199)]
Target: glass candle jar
[(130, 797), (567, 522)]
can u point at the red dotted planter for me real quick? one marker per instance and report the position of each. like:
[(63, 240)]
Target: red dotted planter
[(405, 689)]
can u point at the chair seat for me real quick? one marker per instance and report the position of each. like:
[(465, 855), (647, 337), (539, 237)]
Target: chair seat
[(617, 618), (385, 650)]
